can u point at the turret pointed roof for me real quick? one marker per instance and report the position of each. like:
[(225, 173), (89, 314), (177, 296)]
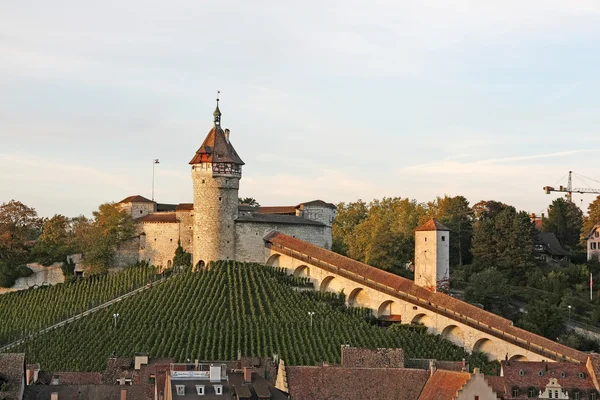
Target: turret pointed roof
[(432, 225), (216, 149)]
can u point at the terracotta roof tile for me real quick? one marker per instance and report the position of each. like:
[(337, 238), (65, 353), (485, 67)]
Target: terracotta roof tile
[(444, 385), (277, 219), (162, 217), (136, 199), (432, 225), (324, 383), (12, 369), (537, 374), (437, 302), (216, 149), (498, 384), (185, 207), (289, 210)]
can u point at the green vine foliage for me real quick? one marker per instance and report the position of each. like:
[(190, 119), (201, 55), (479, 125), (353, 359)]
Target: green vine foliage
[(210, 314)]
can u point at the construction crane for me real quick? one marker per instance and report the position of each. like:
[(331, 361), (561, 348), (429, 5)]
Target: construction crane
[(569, 190)]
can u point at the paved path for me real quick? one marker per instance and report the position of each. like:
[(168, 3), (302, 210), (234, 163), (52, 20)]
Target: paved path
[(83, 314)]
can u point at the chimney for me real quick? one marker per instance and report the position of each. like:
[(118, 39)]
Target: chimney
[(227, 135), (28, 376), (54, 396), (123, 394), (464, 365), (247, 375), (431, 367), (476, 371)]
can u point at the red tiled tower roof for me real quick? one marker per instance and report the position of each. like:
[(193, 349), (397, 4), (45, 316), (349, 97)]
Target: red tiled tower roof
[(432, 225)]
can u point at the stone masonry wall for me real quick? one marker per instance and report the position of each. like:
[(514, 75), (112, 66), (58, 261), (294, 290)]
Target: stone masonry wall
[(138, 210), (250, 246), (215, 209), (357, 357), (325, 215), (50, 275), (186, 230), (160, 243)]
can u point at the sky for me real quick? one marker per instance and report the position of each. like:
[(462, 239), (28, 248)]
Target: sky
[(335, 100)]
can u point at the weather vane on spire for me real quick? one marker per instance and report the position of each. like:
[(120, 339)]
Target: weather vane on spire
[(217, 113)]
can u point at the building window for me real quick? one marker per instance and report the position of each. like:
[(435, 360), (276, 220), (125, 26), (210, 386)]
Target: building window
[(443, 238), (476, 398), (576, 395), (596, 233), (219, 389), (593, 395), (521, 372), (549, 394), (219, 198), (563, 374), (141, 212), (581, 375), (180, 390), (541, 373), (593, 245), (515, 392), (200, 390), (531, 392)]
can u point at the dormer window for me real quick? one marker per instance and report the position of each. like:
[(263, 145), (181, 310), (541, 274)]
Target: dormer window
[(521, 372), (541, 373), (219, 389), (563, 374), (200, 390), (180, 390), (581, 375)]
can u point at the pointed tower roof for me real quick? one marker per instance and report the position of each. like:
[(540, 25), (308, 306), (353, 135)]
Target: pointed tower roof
[(432, 225), (216, 148)]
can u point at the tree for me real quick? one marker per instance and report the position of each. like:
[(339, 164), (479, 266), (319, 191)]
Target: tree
[(505, 242), (182, 258), (490, 288), (55, 242), (18, 225), (592, 218), (544, 319), (348, 216), (565, 220), (248, 201), (487, 209), (111, 226), (455, 213)]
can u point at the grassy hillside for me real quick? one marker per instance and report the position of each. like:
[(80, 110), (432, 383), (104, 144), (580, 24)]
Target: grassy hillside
[(209, 315)]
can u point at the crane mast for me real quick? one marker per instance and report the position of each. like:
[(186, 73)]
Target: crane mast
[(569, 190)]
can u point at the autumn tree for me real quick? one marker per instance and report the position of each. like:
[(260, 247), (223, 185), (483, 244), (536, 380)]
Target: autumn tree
[(487, 209), (111, 225), (592, 218), (455, 213), (348, 216), (55, 242), (18, 225), (565, 221)]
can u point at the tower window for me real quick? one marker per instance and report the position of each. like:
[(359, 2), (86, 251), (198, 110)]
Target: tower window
[(219, 199), (425, 239), (443, 238), (202, 180)]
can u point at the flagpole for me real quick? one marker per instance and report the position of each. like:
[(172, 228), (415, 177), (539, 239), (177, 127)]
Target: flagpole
[(591, 283)]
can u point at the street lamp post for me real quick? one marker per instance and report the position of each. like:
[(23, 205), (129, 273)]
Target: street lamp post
[(155, 161), (311, 313), (115, 316), (569, 312)]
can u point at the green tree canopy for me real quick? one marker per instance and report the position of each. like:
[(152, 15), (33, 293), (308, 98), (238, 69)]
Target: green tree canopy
[(544, 319), (487, 209), (18, 225), (348, 216), (55, 242), (248, 201), (490, 288), (565, 221)]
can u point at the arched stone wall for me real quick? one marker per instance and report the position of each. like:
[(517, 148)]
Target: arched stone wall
[(358, 298), (454, 334), (424, 319), (485, 345), (302, 271), (325, 284), (519, 357), (386, 308), (273, 260)]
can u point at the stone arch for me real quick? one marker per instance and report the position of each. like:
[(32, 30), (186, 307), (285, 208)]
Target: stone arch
[(422, 319), (485, 345), (169, 263), (302, 271), (273, 260), (386, 308), (200, 265), (358, 298), (518, 357), (454, 334), (325, 284)]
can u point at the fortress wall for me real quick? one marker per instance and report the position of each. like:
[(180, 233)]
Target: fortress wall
[(41, 276), (160, 243), (250, 246), (186, 230), (127, 253)]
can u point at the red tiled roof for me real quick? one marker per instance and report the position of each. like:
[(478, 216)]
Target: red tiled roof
[(320, 203), (216, 149), (438, 302), (325, 383), (498, 384), (136, 199), (184, 207), (78, 378), (162, 217), (291, 210), (567, 374), (444, 385), (432, 225)]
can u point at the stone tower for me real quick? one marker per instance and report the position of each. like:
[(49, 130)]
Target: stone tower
[(432, 256), (216, 173)]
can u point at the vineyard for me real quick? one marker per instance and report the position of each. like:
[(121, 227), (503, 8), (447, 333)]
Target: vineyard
[(28, 311), (210, 314)]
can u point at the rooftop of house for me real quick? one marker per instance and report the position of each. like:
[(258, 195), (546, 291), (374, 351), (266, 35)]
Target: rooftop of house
[(276, 219), (550, 243), (12, 371), (136, 199), (591, 234), (399, 285), (159, 218), (328, 382), (88, 392), (216, 148), (444, 385), (524, 374)]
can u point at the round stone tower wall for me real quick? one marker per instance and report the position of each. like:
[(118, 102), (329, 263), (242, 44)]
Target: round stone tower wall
[(215, 211)]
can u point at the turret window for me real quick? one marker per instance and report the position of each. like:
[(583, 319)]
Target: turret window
[(443, 238)]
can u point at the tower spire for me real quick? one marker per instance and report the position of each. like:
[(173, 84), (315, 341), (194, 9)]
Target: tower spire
[(217, 113)]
